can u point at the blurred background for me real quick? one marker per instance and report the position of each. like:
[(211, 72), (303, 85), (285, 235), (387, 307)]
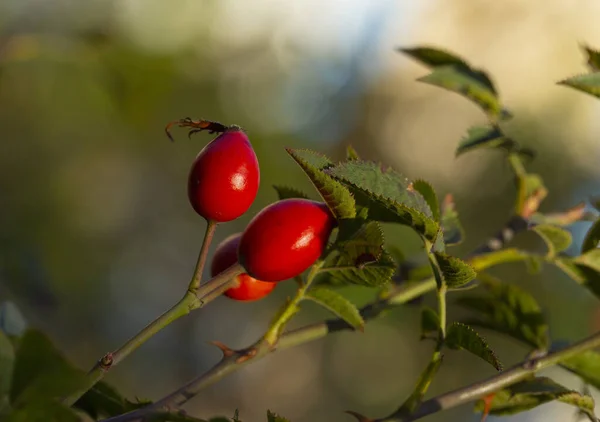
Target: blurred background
[(96, 234)]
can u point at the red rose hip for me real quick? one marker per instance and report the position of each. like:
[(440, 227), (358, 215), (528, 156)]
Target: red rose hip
[(224, 177), (248, 288), (285, 239)]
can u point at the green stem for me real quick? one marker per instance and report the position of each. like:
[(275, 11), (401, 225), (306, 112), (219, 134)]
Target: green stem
[(441, 296), (211, 227), (189, 302)]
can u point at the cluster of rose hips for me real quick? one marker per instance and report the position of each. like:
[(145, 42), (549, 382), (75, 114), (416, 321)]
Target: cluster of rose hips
[(281, 241)]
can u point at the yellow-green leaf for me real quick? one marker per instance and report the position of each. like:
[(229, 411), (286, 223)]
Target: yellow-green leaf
[(337, 304)]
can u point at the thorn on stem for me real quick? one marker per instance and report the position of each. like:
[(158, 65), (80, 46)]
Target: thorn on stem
[(247, 355), (359, 417), (227, 351)]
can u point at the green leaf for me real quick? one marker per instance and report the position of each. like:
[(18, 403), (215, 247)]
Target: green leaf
[(285, 192), (590, 259), (43, 411), (41, 372), (489, 136), (509, 310), (337, 197), (428, 193), (434, 57), (312, 158), (430, 321), (470, 84), (455, 271), (582, 274), (351, 154), (557, 239), (357, 237), (337, 304), (585, 365), (451, 226), (7, 358), (593, 58), (592, 238), (503, 256), (461, 336), (12, 321), (587, 82), (274, 417), (338, 269), (104, 400), (387, 195), (534, 392)]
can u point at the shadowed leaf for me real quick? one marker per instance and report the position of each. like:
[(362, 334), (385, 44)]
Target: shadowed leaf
[(43, 411), (337, 197), (509, 310), (274, 417), (489, 137), (428, 193), (451, 226), (590, 259), (461, 336), (592, 238), (285, 192), (582, 274), (593, 58), (104, 400), (339, 269), (557, 239), (337, 304), (585, 365)]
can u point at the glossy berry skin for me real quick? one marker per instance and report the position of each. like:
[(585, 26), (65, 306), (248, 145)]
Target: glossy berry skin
[(285, 239), (248, 288), (224, 178)]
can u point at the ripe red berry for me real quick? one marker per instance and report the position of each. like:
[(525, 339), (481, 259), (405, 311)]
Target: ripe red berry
[(248, 288), (285, 239), (224, 178)]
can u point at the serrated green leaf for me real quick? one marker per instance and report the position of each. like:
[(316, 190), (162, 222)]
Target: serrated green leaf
[(509, 310), (285, 192), (489, 136), (337, 269), (534, 392), (7, 358), (593, 58), (461, 336), (557, 239), (12, 321), (470, 84), (359, 241), (312, 158), (428, 193), (592, 238), (351, 154), (430, 321), (455, 271), (337, 304), (387, 195), (337, 197), (587, 82), (274, 417), (585, 365), (451, 226), (503, 256), (104, 400), (41, 372), (43, 411)]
